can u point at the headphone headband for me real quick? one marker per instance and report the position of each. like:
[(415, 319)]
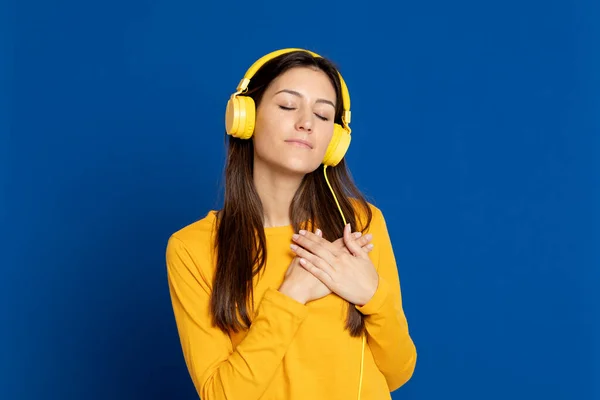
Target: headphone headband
[(243, 85)]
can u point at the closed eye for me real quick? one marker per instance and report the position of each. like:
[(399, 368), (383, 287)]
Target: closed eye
[(319, 116)]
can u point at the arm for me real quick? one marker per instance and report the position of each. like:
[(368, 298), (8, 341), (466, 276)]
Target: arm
[(217, 370), (387, 328)]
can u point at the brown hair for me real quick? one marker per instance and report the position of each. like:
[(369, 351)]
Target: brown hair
[(240, 241)]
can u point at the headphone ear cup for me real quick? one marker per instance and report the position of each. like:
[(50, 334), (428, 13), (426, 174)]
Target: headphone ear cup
[(231, 121), (338, 146), (240, 116)]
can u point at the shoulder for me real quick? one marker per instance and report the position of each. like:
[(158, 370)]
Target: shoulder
[(368, 215), (197, 231), (192, 245)]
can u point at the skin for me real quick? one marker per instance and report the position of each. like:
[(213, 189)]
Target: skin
[(351, 275), (299, 105), (280, 165)]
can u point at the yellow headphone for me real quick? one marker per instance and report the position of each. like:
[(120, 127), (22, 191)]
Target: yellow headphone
[(241, 112), (240, 117)]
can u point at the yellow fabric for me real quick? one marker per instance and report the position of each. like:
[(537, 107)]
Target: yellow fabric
[(292, 351)]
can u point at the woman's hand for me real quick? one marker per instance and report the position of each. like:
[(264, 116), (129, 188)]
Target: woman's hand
[(360, 240), (351, 275), (302, 286)]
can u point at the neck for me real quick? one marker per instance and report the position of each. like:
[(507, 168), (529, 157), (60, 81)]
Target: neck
[(276, 191)]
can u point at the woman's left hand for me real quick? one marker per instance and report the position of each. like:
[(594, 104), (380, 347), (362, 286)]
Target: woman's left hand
[(351, 276)]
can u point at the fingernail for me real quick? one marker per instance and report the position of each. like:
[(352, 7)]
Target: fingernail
[(368, 236), (293, 247), (357, 234), (302, 232), (319, 232), (370, 246), (295, 236)]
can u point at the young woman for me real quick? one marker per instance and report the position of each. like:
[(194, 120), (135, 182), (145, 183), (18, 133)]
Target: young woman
[(291, 290)]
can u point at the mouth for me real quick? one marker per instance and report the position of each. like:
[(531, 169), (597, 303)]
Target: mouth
[(299, 143)]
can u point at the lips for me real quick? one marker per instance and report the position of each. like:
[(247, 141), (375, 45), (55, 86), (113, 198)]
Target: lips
[(300, 143)]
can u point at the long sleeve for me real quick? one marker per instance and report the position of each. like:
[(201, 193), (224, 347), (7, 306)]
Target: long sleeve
[(388, 336), (217, 370)]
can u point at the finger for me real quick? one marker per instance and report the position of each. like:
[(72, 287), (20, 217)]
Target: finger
[(354, 248), (341, 246), (357, 236), (339, 243), (367, 247), (364, 240), (318, 237), (317, 272), (316, 245), (313, 259)]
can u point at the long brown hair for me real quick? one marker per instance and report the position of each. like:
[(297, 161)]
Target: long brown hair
[(240, 241)]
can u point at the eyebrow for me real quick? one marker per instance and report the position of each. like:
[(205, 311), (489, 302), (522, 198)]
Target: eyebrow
[(295, 93)]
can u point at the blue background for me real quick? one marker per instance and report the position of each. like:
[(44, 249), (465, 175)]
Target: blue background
[(475, 130)]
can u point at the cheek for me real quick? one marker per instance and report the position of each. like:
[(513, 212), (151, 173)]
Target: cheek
[(324, 139), (265, 134), (268, 124)]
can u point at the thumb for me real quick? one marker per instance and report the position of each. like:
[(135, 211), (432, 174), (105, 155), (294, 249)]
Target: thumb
[(351, 244)]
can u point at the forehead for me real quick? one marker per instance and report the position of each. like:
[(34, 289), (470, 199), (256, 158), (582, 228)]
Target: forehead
[(309, 81)]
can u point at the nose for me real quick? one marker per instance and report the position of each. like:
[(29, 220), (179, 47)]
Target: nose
[(305, 122)]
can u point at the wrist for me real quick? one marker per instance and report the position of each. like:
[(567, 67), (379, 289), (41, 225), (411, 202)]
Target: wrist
[(369, 296), (293, 293)]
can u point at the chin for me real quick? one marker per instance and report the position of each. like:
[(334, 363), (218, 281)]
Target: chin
[(297, 166), (302, 168)]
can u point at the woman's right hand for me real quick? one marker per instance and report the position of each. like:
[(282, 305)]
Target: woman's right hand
[(302, 286), (362, 241)]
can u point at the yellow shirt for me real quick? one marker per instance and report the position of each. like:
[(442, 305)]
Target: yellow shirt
[(292, 351)]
